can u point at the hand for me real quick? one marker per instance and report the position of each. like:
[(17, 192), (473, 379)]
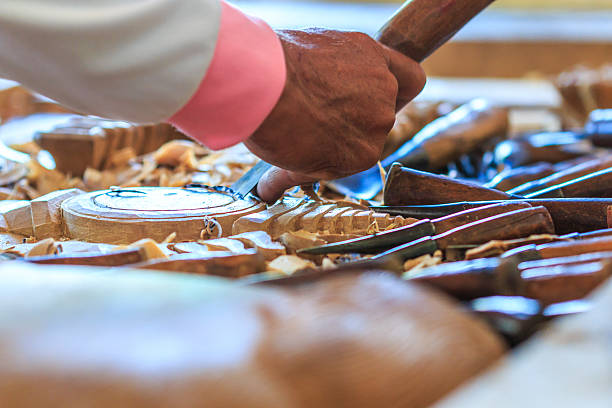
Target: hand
[(338, 105)]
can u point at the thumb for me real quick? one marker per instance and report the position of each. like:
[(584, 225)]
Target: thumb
[(275, 181), (409, 74)]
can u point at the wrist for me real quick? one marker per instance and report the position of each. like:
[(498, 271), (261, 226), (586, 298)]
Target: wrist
[(241, 86)]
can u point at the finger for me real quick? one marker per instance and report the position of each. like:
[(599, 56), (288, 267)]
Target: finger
[(410, 76), (275, 181)]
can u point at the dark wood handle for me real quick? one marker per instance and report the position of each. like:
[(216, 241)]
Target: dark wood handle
[(421, 26), (512, 225)]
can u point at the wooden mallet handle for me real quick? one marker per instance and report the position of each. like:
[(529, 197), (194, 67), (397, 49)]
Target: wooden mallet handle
[(421, 26)]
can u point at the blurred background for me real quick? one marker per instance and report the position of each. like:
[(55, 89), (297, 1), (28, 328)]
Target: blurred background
[(512, 39)]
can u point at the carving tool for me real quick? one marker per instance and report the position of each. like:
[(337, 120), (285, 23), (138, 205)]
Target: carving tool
[(569, 214), (510, 225), (423, 228), (248, 181)]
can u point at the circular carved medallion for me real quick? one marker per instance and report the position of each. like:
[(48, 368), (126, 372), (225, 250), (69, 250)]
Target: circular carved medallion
[(122, 216)]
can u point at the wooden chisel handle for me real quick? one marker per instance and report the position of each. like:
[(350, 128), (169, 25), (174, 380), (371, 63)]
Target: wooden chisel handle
[(421, 26)]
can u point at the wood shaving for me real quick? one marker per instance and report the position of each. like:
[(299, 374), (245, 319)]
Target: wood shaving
[(413, 266), (169, 239), (45, 247)]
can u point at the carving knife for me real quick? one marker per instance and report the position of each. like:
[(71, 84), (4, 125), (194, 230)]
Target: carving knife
[(248, 181)]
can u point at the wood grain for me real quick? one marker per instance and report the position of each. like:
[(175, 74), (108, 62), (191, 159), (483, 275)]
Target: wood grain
[(127, 215), (421, 26), (411, 187)]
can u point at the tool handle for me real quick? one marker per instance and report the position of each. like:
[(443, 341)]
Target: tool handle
[(512, 225), (597, 184), (411, 187), (458, 219), (451, 136), (421, 26)]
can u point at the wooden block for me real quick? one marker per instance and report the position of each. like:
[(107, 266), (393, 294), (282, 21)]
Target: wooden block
[(381, 220), (126, 215), (73, 149), (16, 218), (47, 214)]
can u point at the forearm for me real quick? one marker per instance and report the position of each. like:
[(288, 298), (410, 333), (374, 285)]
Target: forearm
[(195, 63)]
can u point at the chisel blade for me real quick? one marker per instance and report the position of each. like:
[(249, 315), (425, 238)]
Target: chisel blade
[(249, 181)]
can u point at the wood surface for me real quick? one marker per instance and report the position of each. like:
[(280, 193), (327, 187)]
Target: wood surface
[(576, 215), (127, 215)]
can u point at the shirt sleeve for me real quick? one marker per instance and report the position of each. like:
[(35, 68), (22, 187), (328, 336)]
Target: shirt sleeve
[(199, 64), (243, 84)]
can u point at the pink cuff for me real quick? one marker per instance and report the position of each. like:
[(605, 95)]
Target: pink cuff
[(243, 84)]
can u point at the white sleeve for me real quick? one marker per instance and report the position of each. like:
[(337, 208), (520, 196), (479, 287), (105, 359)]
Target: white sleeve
[(136, 60)]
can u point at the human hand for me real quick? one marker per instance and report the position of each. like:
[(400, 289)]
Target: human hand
[(338, 105)]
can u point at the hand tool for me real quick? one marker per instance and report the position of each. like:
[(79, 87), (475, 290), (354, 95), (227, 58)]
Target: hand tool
[(563, 176), (397, 236), (245, 184), (569, 214), (514, 224), (412, 187), (597, 184)]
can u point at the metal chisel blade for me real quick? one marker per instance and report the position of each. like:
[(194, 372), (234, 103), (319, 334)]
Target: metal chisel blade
[(249, 181)]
